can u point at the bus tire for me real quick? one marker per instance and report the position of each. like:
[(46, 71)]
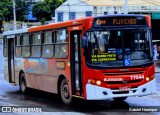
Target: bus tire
[(120, 99), (23, 84), (64, 92)]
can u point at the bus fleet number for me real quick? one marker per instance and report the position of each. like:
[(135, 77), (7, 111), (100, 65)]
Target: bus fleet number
[(136, 77)]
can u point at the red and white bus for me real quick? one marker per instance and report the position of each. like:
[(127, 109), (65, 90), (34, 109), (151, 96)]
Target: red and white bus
[(94, 58)]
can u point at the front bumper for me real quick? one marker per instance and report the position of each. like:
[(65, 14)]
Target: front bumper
[(94, 92)]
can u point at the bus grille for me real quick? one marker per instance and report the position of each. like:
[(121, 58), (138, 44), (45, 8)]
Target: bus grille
[(121, 92), (122, 73), (121, 82)]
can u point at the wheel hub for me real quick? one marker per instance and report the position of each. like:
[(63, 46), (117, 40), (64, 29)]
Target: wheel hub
[(65, 91)]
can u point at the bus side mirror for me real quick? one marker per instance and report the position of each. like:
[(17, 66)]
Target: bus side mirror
[(84, 42)]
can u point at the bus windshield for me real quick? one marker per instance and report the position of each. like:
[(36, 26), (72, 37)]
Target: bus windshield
[(119, 48)]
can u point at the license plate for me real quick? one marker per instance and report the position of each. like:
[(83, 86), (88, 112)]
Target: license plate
[(126, 88)]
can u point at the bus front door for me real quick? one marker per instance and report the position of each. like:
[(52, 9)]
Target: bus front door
[(76, 64), (11, 69)]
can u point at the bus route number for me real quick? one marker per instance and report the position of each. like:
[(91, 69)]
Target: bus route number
[(136, 77)]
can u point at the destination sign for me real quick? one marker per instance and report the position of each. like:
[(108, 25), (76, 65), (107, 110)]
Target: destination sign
[(119, 21), (103, 57)]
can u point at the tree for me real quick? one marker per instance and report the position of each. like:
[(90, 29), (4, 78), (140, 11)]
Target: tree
[(5, 9), (0, 26), (42, 20), (41, 10), (53, 4), (22, 9), (46, 9)]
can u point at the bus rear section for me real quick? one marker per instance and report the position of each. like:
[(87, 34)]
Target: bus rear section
[(119, 58)]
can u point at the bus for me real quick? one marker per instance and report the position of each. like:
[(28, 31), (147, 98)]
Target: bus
[(93, 58)]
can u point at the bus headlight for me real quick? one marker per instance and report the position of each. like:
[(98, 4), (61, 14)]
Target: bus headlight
[(98, 82), (91, 81), (150, 78), (147, 79)]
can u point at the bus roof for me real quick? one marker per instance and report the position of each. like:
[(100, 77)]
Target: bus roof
[(77, 22), (19, 31), (120, 15), (64, 24), (58, 25)]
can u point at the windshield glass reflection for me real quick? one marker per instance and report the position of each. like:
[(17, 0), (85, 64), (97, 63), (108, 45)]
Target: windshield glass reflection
[(117, 48)]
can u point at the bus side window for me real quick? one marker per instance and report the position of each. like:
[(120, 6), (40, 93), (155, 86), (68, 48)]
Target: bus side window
[(47, 46), (25, 45), (36, 45), (5, 46), (18, 46), (61, 45)]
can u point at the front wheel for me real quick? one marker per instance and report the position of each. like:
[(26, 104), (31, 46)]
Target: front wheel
[(64, 92), (23, 84), (120, 99)]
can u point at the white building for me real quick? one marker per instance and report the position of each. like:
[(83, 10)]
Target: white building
[(83, 8), (77, 9)]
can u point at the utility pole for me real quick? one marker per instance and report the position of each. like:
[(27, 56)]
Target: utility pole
[(69, 10), (14, 16), (126, 7)]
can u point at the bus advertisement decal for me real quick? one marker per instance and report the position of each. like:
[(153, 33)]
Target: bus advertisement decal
[(36, 65)]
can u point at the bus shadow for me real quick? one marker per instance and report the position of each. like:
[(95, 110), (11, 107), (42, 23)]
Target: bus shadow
[(99, 106), (78, 105), (52, 103)]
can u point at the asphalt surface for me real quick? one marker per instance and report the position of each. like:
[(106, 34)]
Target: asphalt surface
[(11, 96)]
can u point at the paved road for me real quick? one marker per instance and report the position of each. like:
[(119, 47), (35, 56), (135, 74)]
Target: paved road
[(10, 96)]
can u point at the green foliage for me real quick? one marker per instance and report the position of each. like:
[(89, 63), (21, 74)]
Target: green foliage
[(53, 4), (6, 9), (42, 20), (22, 9), (46, 9), (41, 10)]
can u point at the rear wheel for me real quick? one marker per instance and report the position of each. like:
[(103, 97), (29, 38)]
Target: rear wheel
[(64, 92), (23, 84), (120, 99)]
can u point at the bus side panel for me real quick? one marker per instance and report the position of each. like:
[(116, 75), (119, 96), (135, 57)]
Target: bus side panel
[(5, 67), (42, 82), (17, 77), (57, 68), (19, 66), (49, 84), (40, 73)]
